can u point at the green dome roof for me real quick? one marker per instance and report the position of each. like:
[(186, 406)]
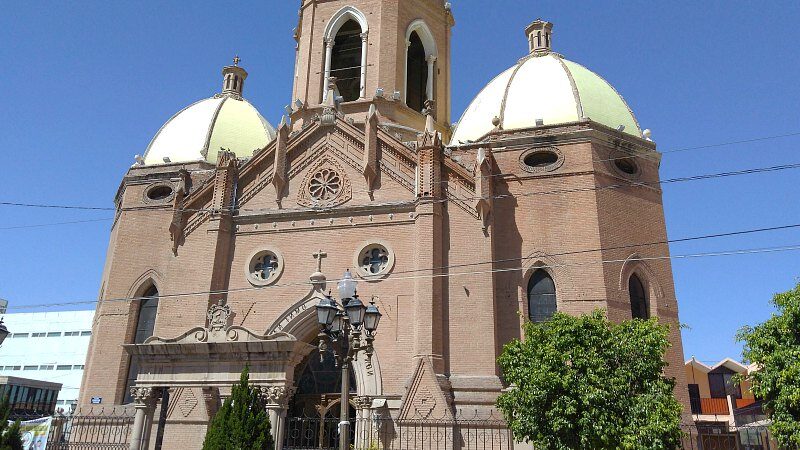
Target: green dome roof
[(548, 88)]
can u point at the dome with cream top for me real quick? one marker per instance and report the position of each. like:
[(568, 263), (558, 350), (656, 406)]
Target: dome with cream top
[(224, 121), (544, 88)]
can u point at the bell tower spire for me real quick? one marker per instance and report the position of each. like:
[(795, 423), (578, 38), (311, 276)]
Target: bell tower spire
[(233, 78), (393, 55)]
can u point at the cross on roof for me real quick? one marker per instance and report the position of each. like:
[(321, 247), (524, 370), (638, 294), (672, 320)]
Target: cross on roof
[(318, 256)]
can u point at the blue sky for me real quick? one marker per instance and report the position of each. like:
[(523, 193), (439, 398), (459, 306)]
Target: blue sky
[(85, 87)]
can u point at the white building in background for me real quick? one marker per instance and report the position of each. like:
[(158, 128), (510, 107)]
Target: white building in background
[(48, 346)]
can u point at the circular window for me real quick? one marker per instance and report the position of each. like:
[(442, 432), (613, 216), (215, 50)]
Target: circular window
[(325, 185), (626, 165), (539, 160), (265, 267), (374, 260), (159, 192)]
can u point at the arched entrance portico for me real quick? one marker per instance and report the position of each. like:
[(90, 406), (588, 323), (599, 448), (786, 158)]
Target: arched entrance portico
[(314, 409)]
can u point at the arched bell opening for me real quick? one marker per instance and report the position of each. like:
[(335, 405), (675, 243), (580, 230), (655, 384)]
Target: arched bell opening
[(346, 61), (417, 74)]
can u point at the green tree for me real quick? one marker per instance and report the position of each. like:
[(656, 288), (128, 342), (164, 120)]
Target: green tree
[(242, 422), (774, 347), (584, 382), (10, 438)]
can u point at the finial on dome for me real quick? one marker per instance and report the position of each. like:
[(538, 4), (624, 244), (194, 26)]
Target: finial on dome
[(233, 78), (539, 34)]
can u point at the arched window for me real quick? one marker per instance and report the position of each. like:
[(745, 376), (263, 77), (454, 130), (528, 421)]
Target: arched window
[(145, 324), (541, 296), (640, 308), (346, 60), (416, 74)]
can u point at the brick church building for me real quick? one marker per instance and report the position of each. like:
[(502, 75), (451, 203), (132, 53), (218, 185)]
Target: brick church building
[(229, 231)]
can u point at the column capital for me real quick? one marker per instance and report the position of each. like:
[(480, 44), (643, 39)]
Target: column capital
[(363, 401), (329, 42), (430, 59), (364, 36), (277, 395), (143, 396)]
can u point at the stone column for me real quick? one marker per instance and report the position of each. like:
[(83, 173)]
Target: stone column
[(144, 400), (328, 52), (429, 85), (366, 431), (276, 400), (363, 86)]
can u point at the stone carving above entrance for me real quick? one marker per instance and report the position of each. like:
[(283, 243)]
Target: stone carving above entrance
[(219, 330), (325, 185)]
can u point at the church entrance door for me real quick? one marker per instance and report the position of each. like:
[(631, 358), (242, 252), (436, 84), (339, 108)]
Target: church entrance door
[(313, 416)]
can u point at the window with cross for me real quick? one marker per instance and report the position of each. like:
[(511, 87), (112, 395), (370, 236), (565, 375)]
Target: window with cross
[(266, 266), (374, 259)]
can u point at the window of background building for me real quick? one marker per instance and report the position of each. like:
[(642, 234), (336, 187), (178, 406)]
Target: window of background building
[(78, 367), (54, 334), (38, 334), (30, 368), (720, 381), (19, 335), (71, 333), (63, 367), (89, 333)]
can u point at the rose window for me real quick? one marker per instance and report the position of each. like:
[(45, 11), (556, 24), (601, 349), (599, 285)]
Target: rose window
[(325, 185), (374, 260), (265, 266)]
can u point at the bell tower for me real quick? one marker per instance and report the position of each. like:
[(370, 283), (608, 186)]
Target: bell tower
[(393, 54)]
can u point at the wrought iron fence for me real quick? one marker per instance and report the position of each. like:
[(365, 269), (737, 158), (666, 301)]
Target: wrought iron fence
[(89, 429), (386, 433), (722, 436), (485, 433)]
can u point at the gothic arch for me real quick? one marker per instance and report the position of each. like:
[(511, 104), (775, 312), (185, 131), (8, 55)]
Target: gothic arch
[(431, 53), (343, 15), (300, 320), (150, 278), (557, 271), (635, 265)]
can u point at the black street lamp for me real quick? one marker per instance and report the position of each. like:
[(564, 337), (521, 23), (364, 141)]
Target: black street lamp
[(342, 325)]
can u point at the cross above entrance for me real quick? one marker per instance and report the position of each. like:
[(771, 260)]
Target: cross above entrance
[(318, 256)]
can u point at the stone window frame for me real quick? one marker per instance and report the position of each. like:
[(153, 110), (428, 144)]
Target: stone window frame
[(253, 259), (543, 169), (146, 193), (612, 162), (367, 246)]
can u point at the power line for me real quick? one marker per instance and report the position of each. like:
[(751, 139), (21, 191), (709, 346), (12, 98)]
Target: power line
[(792, 247), (618, 247), (449, 199), (39, 225)]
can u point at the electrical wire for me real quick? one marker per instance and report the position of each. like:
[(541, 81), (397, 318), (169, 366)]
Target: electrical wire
[(449, 199), (792, 247)]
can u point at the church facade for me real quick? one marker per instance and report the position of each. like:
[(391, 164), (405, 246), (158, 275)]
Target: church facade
[(543, 197)]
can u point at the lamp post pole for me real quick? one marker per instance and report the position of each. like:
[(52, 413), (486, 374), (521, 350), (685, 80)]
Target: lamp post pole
[(342, 325)]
